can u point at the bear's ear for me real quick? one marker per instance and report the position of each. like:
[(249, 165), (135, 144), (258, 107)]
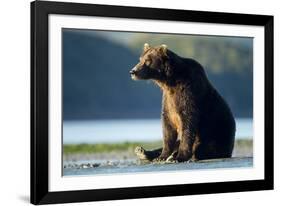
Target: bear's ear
[(163, 48), (146, 47)]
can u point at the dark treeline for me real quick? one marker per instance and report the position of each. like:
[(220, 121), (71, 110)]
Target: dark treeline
[(97, 84)]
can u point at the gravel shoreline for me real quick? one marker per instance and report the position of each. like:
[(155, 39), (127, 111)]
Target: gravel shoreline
[(126, 158)]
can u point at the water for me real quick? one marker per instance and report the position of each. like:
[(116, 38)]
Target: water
[(109, 131)]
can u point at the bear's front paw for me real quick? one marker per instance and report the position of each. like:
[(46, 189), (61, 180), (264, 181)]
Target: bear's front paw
[(171, 159), (162, 158), (183, 157)]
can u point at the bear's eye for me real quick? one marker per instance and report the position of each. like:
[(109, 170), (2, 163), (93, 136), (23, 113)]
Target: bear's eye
[(147, 62)]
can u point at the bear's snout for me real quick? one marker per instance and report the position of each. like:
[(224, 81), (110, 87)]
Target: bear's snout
[(133, 71)]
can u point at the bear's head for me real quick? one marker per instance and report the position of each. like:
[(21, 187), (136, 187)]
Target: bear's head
[(153, 64)]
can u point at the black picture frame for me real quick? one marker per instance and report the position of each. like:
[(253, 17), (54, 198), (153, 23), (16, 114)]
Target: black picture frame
[(39, 102)]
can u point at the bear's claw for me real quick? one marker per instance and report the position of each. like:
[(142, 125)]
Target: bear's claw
[(171, 159)]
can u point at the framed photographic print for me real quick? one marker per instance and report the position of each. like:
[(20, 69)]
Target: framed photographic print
[(131, 102)]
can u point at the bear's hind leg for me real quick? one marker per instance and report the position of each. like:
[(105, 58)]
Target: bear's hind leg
[(147, 154)]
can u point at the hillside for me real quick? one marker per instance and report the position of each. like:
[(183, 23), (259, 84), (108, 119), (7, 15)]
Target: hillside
[(97, 83)]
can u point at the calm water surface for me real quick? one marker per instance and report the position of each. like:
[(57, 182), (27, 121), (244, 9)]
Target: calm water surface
[(109, 131)]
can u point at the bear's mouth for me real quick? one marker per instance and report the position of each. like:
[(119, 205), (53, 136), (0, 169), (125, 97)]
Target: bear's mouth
[(134, 77)]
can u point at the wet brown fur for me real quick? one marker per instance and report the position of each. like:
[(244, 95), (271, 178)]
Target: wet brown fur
[(197, 123)]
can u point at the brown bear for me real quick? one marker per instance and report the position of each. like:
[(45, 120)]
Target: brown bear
[(197, 123)]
